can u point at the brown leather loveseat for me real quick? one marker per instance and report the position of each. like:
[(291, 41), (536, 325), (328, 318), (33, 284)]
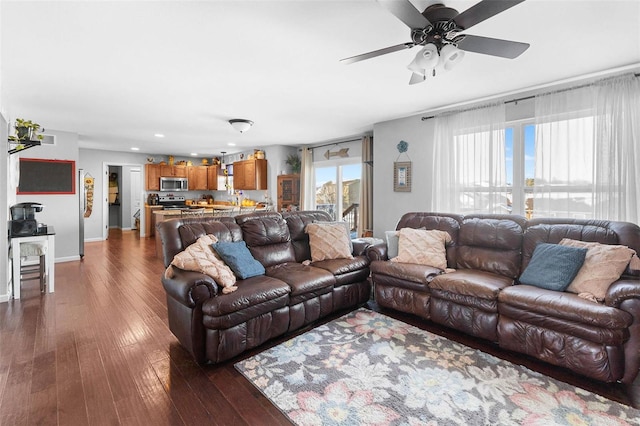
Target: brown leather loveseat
[(483, 298), (214, 326)]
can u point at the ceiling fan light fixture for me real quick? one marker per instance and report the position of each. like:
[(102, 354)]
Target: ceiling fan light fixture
[(240, 124), (450, 56)]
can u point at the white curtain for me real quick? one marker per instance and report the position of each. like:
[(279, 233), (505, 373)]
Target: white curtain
[(469, 173), (307, 192), (563, 154), (366, 192), (587, 151), (617, 153)]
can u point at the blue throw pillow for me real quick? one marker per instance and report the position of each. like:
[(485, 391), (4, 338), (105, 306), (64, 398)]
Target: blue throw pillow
[(238, 257), (553, 267)]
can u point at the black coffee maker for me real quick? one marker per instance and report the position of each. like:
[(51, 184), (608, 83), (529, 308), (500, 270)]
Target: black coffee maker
[(23, 219)]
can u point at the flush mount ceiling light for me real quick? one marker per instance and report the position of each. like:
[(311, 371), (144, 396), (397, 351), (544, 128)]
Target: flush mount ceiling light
[(240, 124)]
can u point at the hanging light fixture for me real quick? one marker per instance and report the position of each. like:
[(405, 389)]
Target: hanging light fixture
[(431, 57), (450, 56), (240, 124), (222, 165), (426, 59)]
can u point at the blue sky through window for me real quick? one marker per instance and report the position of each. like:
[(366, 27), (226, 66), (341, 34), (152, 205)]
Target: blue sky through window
[(529, 152)]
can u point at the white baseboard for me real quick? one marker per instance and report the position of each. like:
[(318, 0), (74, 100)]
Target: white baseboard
[(93, 240), (67, 259)]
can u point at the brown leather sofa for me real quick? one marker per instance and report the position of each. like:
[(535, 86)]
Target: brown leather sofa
[(215, 327), (483, 298)]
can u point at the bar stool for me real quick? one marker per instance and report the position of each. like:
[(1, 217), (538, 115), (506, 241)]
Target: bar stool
[(30, 271)]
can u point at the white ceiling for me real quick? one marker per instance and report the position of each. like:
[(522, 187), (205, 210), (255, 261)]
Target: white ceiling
[(118, 72)]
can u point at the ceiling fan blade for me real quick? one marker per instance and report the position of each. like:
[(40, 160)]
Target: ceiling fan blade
[(406, 12), (483, 10), (492, 46), (380, 52)]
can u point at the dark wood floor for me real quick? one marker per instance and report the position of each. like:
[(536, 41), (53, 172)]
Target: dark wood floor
[(99, 351)]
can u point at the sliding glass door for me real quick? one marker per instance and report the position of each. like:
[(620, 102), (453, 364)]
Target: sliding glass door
[(337, 191)]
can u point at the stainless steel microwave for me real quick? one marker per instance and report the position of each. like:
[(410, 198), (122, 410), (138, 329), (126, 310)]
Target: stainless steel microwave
[(171, 184)]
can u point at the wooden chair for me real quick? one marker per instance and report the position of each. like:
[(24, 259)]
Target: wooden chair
[(30, 271)]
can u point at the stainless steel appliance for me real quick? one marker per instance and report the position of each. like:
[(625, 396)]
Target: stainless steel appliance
[(23, 219), (172, 184), (172, 202)]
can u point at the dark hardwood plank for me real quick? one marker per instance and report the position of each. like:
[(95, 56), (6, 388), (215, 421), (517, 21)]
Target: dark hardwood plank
[(99, 351)]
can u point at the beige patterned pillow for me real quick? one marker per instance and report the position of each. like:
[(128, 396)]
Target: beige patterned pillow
[(328, 241), (200, 257), (424, 247), (603, 264)]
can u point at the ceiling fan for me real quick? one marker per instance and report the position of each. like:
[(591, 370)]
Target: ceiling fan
[(438, 30)]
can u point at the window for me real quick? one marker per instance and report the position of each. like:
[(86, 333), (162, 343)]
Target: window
[(520, 167), (337, 187), (563, 187)]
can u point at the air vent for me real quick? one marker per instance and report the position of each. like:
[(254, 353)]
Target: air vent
[(48, 140)]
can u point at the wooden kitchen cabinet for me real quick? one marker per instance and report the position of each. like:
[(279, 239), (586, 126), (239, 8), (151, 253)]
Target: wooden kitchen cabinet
[(198, 176), (173, 171), (288, 191), (152, 173), (250, 175), (150, 219), (212, 177)]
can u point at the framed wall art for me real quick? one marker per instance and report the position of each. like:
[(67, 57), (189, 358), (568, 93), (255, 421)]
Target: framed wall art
[(402, 176)]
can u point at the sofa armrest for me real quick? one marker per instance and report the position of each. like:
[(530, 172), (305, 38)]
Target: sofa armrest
[(377, 252), (190, 288), (623, 289), (359, 246)]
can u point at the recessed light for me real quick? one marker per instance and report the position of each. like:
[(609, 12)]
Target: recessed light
[(231, 144), (135, 148), (194, 154), (159, 135)]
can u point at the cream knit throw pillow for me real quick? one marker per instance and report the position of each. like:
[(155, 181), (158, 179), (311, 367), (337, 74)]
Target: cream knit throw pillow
[(423, 247), (328, 241), (200, 257), (603, 264)]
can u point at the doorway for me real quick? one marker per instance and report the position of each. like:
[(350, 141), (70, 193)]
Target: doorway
[(123, 208)]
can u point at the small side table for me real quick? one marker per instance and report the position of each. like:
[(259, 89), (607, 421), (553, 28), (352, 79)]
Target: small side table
[(47, 237)]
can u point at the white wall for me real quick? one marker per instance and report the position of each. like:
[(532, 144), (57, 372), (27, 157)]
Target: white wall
[(92, 161), (389, 206), (5, 189), (60, 210)]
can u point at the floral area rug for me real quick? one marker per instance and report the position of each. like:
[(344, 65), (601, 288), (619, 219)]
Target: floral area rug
[(368, 369)]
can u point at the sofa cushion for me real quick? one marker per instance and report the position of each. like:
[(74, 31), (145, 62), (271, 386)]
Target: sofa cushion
[(491, 243), (200, 257), (303, 278), (424, 247), (328, 241), (603, 264), (413, 272), (553, 266), (239, 259), (346, 271), (255, 296), (470, 282), (550, 308)]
